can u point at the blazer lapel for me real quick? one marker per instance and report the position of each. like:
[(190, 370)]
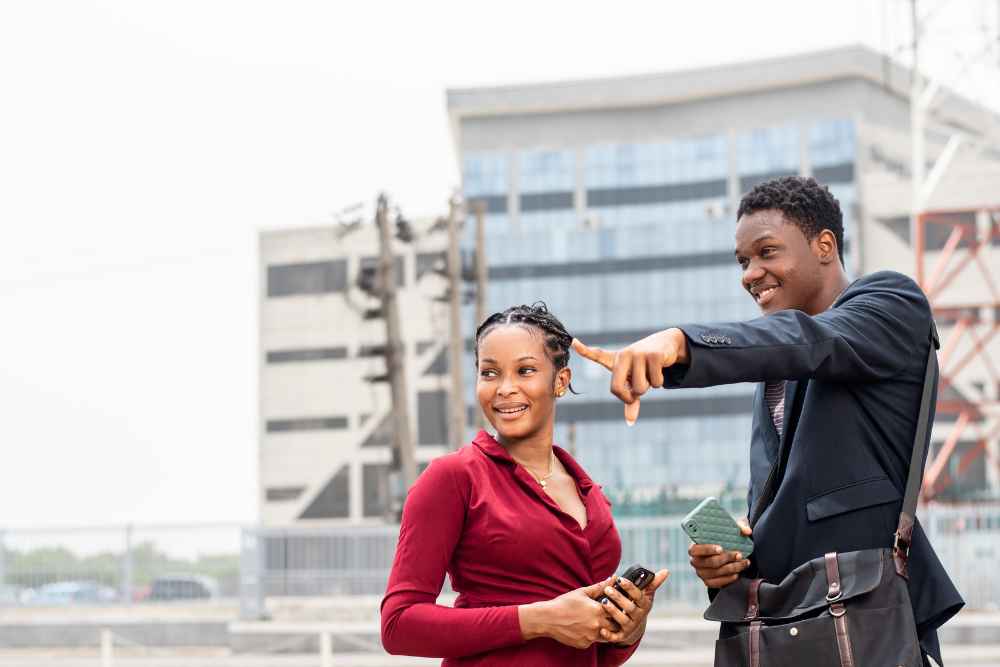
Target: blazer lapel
[(763, 449)]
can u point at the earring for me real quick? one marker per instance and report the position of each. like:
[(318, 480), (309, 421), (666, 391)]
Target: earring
[(560, 393)]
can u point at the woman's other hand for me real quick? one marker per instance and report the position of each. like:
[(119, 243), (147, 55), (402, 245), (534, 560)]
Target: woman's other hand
[(575, 618), (629, 612)]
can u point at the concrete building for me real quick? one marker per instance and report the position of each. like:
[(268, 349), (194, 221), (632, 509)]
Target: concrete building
[(324, 444), (613, 200)]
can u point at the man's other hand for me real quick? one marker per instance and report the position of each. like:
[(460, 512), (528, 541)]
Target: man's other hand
[(639, 366), (715, 566)]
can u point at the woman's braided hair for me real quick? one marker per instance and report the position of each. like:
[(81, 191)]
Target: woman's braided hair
[(556, 339)]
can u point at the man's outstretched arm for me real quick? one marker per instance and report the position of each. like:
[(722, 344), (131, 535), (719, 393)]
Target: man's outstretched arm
[(871, 335)]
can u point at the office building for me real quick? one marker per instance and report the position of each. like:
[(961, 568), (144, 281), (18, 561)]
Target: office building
[(614, 201), (325, 435)]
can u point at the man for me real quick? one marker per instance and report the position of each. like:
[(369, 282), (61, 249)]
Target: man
[(841, 369)]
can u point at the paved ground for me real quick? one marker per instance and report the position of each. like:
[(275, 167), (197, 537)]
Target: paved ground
[(972, 640), (957, 656)]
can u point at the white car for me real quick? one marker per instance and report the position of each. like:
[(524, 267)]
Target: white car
[(71, 592)]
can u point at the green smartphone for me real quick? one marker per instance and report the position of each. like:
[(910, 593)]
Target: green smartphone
[(710, 523)]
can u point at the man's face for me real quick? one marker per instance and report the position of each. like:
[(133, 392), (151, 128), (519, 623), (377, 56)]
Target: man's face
[(781, 267)]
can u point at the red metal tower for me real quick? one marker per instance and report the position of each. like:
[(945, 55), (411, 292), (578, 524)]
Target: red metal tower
[(965, 299)]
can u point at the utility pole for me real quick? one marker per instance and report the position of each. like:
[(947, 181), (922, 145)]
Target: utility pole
[(482, 278), (918, 158), (395, 354), (456, 404)]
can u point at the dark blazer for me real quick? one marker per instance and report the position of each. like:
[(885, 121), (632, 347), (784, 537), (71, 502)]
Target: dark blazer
[(856, 372)]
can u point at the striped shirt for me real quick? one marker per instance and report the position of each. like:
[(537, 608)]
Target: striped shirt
[(774, 396)]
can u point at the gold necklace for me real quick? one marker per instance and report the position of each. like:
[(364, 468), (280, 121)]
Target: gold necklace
[(543, 481)]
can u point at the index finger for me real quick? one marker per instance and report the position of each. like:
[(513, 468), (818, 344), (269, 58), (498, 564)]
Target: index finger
[(596, 590), (632, 412), (595, 354)]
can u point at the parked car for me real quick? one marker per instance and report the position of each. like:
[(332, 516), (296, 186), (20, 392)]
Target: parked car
[(10, 594), (183, 587), (71, 592)]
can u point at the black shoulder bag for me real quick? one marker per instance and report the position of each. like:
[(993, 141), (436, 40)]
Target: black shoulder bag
[(839, 610)]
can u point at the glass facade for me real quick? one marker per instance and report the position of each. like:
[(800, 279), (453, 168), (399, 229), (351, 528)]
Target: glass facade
[(768, 152), (623, 239)]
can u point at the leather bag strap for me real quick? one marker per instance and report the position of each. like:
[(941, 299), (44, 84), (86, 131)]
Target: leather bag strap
[(753, 600), (904, 529), (754, 639), (834, 593)]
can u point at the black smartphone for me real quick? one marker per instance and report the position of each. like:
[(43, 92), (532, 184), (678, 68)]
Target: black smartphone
[(638, 575)]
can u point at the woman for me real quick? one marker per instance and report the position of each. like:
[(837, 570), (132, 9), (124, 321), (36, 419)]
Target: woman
[(518, 525)]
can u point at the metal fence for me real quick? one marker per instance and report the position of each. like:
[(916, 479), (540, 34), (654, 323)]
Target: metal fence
[(119, 564), (356, 560), (135, 564)]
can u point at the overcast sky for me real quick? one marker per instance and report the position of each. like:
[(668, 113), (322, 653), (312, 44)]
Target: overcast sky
[(144, 144)]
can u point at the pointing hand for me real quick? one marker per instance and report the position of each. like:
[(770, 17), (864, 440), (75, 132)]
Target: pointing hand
[(639, 366)]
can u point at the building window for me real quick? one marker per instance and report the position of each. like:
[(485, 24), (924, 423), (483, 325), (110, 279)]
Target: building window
[(485, 174), (280, 494), (333, 502), (627, 166), (440, 364), (306, 354), (307, 278), (375, 480), (371, 350), (640, 195), (838, 173), (431, 261), (307, 424), (432, 407), (546, 201), (547, 171), (768, 152), (382, 435), (398, 267), (831, 143)]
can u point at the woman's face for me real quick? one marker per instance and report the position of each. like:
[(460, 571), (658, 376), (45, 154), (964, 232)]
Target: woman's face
[(517, 382)]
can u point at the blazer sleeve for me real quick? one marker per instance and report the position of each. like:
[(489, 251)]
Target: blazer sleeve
[(431, 526), (870, 334)]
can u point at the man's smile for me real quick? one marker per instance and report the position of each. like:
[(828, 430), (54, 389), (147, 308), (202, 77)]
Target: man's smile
[(763, 294)]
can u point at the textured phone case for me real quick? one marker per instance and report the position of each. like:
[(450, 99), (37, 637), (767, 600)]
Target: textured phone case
[(709, 523)]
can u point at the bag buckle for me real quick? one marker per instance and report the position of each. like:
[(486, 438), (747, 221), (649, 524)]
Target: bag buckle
[(900, 545)]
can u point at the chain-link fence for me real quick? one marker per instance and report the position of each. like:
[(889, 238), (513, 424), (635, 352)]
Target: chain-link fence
[(356, 560), (119, 565)]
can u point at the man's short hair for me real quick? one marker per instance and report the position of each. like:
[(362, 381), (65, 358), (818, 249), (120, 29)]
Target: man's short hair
[(804, 202)]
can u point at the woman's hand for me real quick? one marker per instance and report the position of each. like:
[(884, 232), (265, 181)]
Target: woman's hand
[(575, 618), (630, 612)]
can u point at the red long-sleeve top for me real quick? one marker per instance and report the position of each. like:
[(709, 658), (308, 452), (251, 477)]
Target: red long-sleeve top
[(484, 520)]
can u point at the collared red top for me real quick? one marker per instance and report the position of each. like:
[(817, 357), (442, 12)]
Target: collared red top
[(482, 518)]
